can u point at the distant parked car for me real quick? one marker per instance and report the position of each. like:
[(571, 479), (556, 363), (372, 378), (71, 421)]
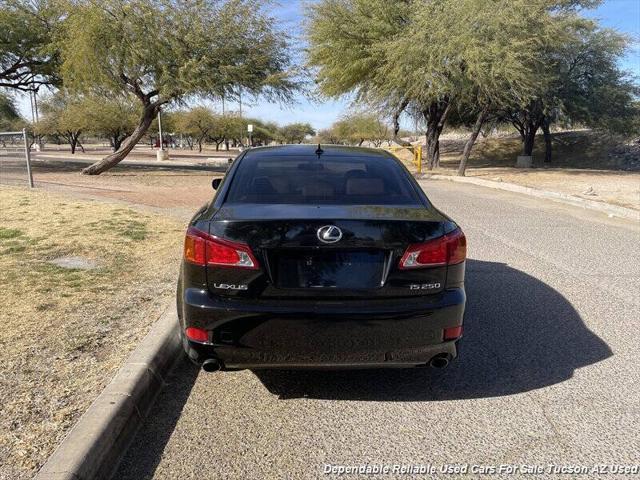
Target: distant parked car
[(328, 257)]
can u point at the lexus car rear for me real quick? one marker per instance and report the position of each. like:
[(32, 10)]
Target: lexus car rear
[(321, 258)]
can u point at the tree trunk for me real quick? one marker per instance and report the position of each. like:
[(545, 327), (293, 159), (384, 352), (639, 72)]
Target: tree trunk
[(529, 139), (361, 142), (547, 140), (149, 113), (482, 117), (116, 142), (436, 116), (396, 123), (73, 139), (199, 145)]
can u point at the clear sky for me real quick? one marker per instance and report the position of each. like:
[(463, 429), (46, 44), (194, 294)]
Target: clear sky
[(623, 15)]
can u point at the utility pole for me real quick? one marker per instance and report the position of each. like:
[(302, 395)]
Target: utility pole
[(160, 129), (27, 155), (33, 110), (35, 105), (161, 154), (241, 127), (33, 100)]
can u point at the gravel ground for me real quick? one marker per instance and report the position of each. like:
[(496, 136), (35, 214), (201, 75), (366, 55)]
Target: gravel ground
[(548, 372)]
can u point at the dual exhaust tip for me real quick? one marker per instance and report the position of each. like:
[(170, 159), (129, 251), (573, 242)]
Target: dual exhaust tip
[(211, 365), (440, 361)]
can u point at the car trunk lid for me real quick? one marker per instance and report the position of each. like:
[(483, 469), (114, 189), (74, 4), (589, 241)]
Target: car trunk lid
[(298, 260)]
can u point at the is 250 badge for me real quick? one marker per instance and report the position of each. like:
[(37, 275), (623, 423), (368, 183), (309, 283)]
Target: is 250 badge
[(424, 286)]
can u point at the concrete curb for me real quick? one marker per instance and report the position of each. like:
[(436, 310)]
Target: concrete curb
[(609, 209), (94, 446)]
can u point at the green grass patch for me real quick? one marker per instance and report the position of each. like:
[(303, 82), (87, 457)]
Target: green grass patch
[(6, 233), (13, 249), (133, 230)]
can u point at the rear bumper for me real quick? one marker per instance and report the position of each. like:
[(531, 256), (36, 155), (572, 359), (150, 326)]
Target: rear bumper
[(345, 334)]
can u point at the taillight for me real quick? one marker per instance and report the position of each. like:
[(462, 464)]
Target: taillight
[(197, 334), (452, 333), (446, 250), (203, 249)]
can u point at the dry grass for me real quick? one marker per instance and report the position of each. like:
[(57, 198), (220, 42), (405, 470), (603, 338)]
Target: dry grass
[(580, 149), (66, 331)]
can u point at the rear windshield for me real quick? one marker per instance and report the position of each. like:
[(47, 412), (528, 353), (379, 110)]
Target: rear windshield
[(328, 181)]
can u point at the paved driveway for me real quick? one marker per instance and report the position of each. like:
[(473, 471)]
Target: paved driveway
[(548, 373)]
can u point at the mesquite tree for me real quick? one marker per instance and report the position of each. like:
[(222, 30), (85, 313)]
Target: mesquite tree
[(9, 113), (585, 86), (29, 57), (357, 127), (113, 119), (437, 56), (396, 55), (197, 124), (162, 51), (63, 116), (296, 132)]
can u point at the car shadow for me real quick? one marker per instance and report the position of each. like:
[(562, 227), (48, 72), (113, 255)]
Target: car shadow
[(520, 335), (142, 457)]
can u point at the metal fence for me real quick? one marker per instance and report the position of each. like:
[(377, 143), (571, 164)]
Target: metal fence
[(15, 158)]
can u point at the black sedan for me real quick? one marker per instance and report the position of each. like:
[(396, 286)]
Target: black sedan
[(321, 257)]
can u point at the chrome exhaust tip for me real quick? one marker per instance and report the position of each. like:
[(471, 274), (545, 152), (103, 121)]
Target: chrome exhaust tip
[(440, 361), (211, 365)]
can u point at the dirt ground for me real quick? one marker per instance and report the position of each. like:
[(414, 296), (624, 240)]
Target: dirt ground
[(140, 152), (584, 164), (66, 331), (175, 191), (619, 188)]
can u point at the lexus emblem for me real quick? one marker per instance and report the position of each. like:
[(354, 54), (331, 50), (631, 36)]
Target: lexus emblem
[(329, 234)]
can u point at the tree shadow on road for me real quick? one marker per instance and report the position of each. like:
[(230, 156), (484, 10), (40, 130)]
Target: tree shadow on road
[(520, 335)]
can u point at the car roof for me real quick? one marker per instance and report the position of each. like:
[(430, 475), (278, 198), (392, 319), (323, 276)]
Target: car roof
[(301, 150)]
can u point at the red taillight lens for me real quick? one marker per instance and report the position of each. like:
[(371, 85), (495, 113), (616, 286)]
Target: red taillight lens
[(204, 249), (456, 247), (446, 250), (197, 334), (452, 333)]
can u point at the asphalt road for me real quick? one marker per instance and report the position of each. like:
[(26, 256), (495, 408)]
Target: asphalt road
[(548, 374)]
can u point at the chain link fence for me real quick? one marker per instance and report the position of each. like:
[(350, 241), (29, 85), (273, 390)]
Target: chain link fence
[(15, 158)]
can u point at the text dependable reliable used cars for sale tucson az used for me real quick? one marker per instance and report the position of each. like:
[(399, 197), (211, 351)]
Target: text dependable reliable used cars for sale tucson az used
[(321, 257)]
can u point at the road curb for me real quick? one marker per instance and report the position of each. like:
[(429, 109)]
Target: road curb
[(94, 446), (609, 209)]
